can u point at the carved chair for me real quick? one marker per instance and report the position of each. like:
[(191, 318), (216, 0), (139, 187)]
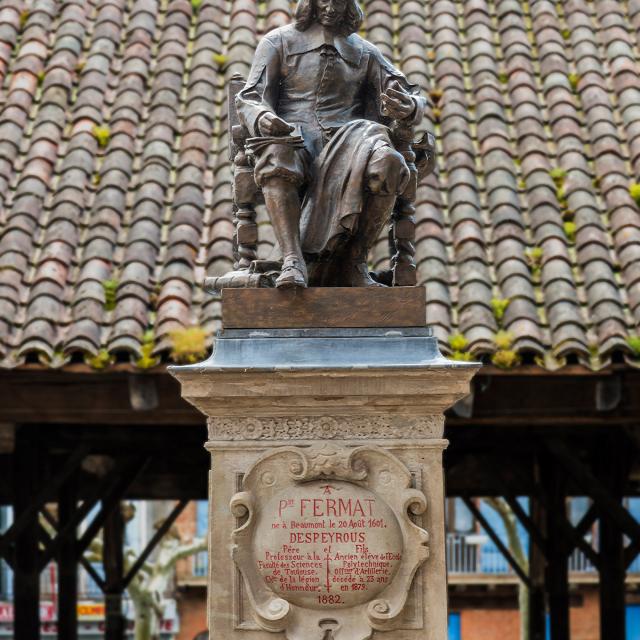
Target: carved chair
[(249, 271)]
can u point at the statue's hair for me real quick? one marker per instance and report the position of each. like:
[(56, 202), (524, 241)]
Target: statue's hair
[(306, 15)]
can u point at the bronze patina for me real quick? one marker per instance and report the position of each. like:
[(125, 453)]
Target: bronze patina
[(324, 136)]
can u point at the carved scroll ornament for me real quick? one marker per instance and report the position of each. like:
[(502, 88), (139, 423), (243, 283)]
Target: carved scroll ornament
[(325, 543)]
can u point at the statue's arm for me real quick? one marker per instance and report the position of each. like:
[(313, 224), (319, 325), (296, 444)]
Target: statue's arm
[(383, 76), (260, 94)]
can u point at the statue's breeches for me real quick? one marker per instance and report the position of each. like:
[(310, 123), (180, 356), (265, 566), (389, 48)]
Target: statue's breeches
[(387, 172), (282, 161), (358, 160)]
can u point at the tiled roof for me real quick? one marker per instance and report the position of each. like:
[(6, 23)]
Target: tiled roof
[(115, 179)]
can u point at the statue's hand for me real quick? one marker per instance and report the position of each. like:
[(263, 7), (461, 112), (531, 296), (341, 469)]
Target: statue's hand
[(270, 125), (397, 103)]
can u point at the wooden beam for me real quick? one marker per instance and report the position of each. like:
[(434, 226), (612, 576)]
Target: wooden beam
[(557, 571), (67, 564), (496, 540), (26, 565), (576, 540), (151, 545), (113, 562), (527, 522), (595, 489), (108, 485), (631, 553), (613, 469), (97, 578), (587, 521), (79, 557), (111, 499), (537, 610), (612, 581), (40, 498), (44, 396)]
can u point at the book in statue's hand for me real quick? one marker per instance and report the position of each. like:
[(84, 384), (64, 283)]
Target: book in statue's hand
[(294, 139)]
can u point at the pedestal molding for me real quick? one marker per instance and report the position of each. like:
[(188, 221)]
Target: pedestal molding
[(398, 444), (324, 428)]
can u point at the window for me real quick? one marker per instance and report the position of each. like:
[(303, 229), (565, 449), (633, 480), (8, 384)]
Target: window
[(201, 561), (459, 519), (6, 577)]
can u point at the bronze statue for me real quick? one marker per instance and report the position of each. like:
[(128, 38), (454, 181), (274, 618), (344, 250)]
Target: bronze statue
[(324, 128)]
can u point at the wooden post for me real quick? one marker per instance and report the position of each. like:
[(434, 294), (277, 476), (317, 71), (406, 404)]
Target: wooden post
[(557, 573), (67, 563), (612, 581), (537, 610), (26, 577), (612, 558), (113, 561)]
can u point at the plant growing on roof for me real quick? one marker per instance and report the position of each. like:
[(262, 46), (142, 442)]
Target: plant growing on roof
[(574, 79), (435, 95), (110, 289), (634, 345), (503, 339), (147, 360), (634, 192), (189, 344), (220, 59), (499, 306), (459, 347), (505, 358), (558, 174), (534, 257), (561, 197), (102, 134), (100, 361), (24, 16), (196, 4), (566, 34), (570, 229), (458, 342), (462, 356)]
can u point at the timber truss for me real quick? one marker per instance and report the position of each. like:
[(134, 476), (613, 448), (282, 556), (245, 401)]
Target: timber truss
[(41, 534)]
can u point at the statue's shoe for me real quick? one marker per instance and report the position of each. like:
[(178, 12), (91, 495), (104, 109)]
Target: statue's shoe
[(293, 274), (357, 275)]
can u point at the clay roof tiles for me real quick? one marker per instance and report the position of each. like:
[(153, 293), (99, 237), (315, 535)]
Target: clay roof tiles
[(115, 181)]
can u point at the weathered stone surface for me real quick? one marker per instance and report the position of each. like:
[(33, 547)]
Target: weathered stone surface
[(288, 442), (328, 535)]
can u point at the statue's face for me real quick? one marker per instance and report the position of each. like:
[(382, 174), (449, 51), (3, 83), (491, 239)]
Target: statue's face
[(330, 12)]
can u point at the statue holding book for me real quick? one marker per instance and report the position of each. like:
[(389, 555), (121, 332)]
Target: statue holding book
[(324, 135)]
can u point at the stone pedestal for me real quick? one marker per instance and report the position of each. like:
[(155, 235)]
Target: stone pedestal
[(326, 487)]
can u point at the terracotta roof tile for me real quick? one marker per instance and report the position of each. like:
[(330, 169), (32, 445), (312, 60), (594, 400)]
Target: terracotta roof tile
[(115, 182)]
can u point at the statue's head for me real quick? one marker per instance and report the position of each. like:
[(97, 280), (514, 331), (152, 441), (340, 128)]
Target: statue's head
[(341, 16)]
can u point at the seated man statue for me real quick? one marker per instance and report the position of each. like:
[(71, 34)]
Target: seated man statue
[(325, 103)]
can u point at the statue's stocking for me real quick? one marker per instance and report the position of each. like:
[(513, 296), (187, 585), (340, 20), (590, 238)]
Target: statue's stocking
[(377, 211), (283, 205)]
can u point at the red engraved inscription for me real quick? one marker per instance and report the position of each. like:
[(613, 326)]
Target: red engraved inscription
[(323, 544)]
